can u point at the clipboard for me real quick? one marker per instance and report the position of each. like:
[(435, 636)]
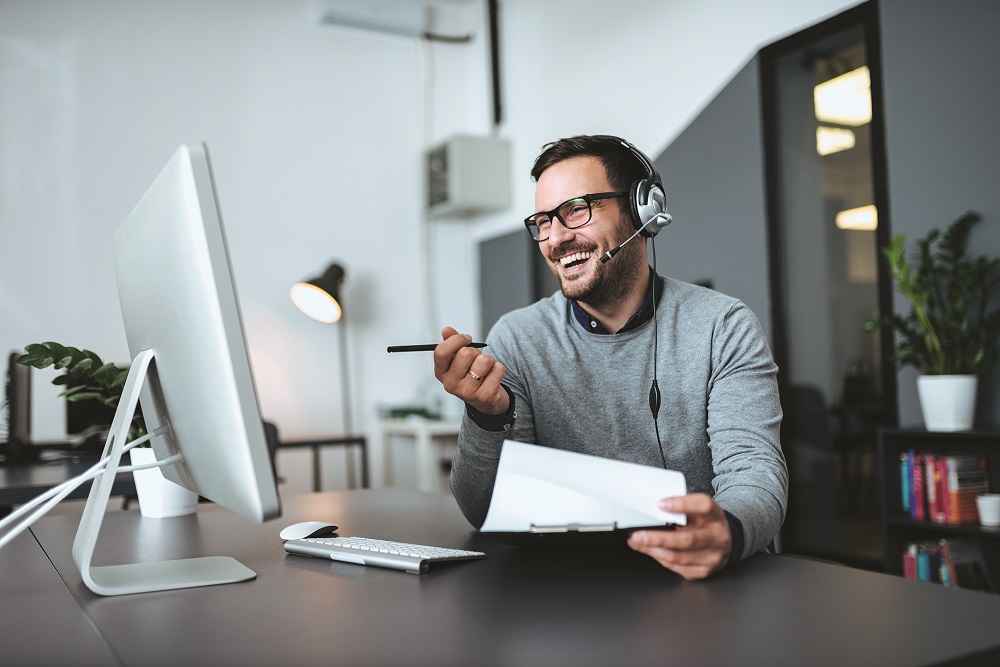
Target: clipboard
[(546, 496), (571, 535)]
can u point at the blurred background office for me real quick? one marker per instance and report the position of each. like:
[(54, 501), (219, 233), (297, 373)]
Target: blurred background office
[(319, 132)]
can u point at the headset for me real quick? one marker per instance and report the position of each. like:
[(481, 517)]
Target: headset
[(648, 211), (647, 201)]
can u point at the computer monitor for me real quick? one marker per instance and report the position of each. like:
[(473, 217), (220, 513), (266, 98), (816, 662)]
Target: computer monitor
[(190, 371), (18, 392)]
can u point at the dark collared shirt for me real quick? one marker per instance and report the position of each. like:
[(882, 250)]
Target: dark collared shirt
[(641, 316)]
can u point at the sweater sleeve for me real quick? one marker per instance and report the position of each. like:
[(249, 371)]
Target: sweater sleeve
[(744, 418)]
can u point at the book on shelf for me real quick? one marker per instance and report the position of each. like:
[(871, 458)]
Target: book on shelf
[(956, 563), (942, 488), (904, 480), (932, 480), (968, 478), (917, 486)]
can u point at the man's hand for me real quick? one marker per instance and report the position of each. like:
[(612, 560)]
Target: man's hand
[(469, 374), (693, 551)]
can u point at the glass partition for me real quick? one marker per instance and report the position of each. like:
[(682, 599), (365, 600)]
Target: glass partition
[(827, 221)]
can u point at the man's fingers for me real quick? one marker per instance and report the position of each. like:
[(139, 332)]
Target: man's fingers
[(693, 554), (446, 351), (486, 394), (469, 374), (695, 503), (686, 540), (489, 379)]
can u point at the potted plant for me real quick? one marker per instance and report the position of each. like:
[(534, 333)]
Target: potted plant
[(87, 378), (950, 334)]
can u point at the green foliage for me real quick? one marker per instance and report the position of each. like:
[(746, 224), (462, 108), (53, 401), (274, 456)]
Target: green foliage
[(950, 329), (86, 377)]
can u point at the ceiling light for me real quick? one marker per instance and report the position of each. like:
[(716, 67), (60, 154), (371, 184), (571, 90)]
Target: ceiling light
[(833, 139), (846, 99), (864, 218)]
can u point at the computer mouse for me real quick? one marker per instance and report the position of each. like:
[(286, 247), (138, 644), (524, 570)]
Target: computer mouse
[(300, 531)]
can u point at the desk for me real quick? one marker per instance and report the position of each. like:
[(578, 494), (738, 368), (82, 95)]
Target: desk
[(22, 482), (519, 606), (423, 432), (316, 442), (40, 622)]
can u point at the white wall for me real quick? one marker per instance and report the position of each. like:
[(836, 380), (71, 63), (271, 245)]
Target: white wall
[(316, 134)]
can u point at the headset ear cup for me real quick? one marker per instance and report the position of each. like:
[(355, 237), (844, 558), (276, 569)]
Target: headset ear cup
[(656, 205), (636, 195)]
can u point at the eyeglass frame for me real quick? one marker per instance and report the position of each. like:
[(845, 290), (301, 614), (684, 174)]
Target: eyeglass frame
[(554, 213)]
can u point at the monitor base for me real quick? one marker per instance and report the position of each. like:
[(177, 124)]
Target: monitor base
[(138, 577), (167, 575)]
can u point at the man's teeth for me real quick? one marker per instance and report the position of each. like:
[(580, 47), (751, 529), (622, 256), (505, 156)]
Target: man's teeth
[(575, 258)]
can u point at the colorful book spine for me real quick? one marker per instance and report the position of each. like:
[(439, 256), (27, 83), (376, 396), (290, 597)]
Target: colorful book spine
[(930, 467), (904, 480), (941, 480), (917, 509), (942, 488), (923, 563), (910, 561)]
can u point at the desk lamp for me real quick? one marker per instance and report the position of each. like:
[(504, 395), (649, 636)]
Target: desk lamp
[(320, 299)]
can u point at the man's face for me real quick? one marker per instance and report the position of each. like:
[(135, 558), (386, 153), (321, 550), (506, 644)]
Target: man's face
[(574, 255)]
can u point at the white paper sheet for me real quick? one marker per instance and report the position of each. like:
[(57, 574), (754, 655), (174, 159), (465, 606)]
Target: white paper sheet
[(541, 486)]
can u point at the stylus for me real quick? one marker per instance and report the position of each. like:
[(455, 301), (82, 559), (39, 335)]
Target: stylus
[(422, 348)]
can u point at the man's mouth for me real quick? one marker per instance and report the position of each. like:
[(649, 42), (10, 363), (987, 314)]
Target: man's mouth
[(574, 259)]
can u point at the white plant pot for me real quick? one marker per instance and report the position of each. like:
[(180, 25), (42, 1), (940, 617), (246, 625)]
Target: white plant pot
[(159, 498), (948, 402)]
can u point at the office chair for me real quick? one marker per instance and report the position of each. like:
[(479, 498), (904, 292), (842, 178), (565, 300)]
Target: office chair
[(271, 436)]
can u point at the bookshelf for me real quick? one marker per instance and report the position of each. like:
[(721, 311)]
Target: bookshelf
[(899, 529)]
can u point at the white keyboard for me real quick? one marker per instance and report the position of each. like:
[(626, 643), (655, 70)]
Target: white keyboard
[(415, 558)]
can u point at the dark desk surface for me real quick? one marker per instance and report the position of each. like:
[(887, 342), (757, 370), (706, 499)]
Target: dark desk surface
[(519, 606), (22, 482), (40, 622)]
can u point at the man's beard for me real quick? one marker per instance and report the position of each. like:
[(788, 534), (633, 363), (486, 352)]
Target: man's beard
[(611, 281)]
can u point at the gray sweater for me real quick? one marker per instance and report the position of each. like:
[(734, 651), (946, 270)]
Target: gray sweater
[(588, 393)]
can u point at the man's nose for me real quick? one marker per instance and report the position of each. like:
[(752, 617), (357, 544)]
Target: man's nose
[(558, 233)]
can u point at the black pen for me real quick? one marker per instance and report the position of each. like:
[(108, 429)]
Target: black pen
[(423, 348)]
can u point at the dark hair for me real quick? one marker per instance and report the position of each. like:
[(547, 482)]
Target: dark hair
[(621, 165)]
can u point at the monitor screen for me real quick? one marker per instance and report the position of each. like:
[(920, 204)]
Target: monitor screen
[(179, 308), (177, 297), (83, 417), (18, 392)]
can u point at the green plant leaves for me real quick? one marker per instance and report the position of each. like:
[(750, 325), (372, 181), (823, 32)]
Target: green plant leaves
[(86, 377), (950, 329)]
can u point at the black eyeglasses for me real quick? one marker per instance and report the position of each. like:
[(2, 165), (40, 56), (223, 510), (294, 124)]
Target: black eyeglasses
[(572, 213)]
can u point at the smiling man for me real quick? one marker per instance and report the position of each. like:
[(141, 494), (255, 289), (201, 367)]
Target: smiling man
[(572, 370)]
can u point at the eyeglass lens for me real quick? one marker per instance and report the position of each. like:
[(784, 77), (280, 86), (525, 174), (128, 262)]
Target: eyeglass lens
[(573, 213)]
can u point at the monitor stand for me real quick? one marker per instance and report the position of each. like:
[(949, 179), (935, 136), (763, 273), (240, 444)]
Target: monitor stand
[(139, 577)]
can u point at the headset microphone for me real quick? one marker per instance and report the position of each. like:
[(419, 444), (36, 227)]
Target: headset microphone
[(661, 220)]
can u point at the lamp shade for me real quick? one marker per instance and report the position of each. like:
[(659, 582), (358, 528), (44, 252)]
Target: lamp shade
[(319, 298)]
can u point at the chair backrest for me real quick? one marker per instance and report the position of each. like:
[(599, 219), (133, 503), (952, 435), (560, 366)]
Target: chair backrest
[(271, 436)]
